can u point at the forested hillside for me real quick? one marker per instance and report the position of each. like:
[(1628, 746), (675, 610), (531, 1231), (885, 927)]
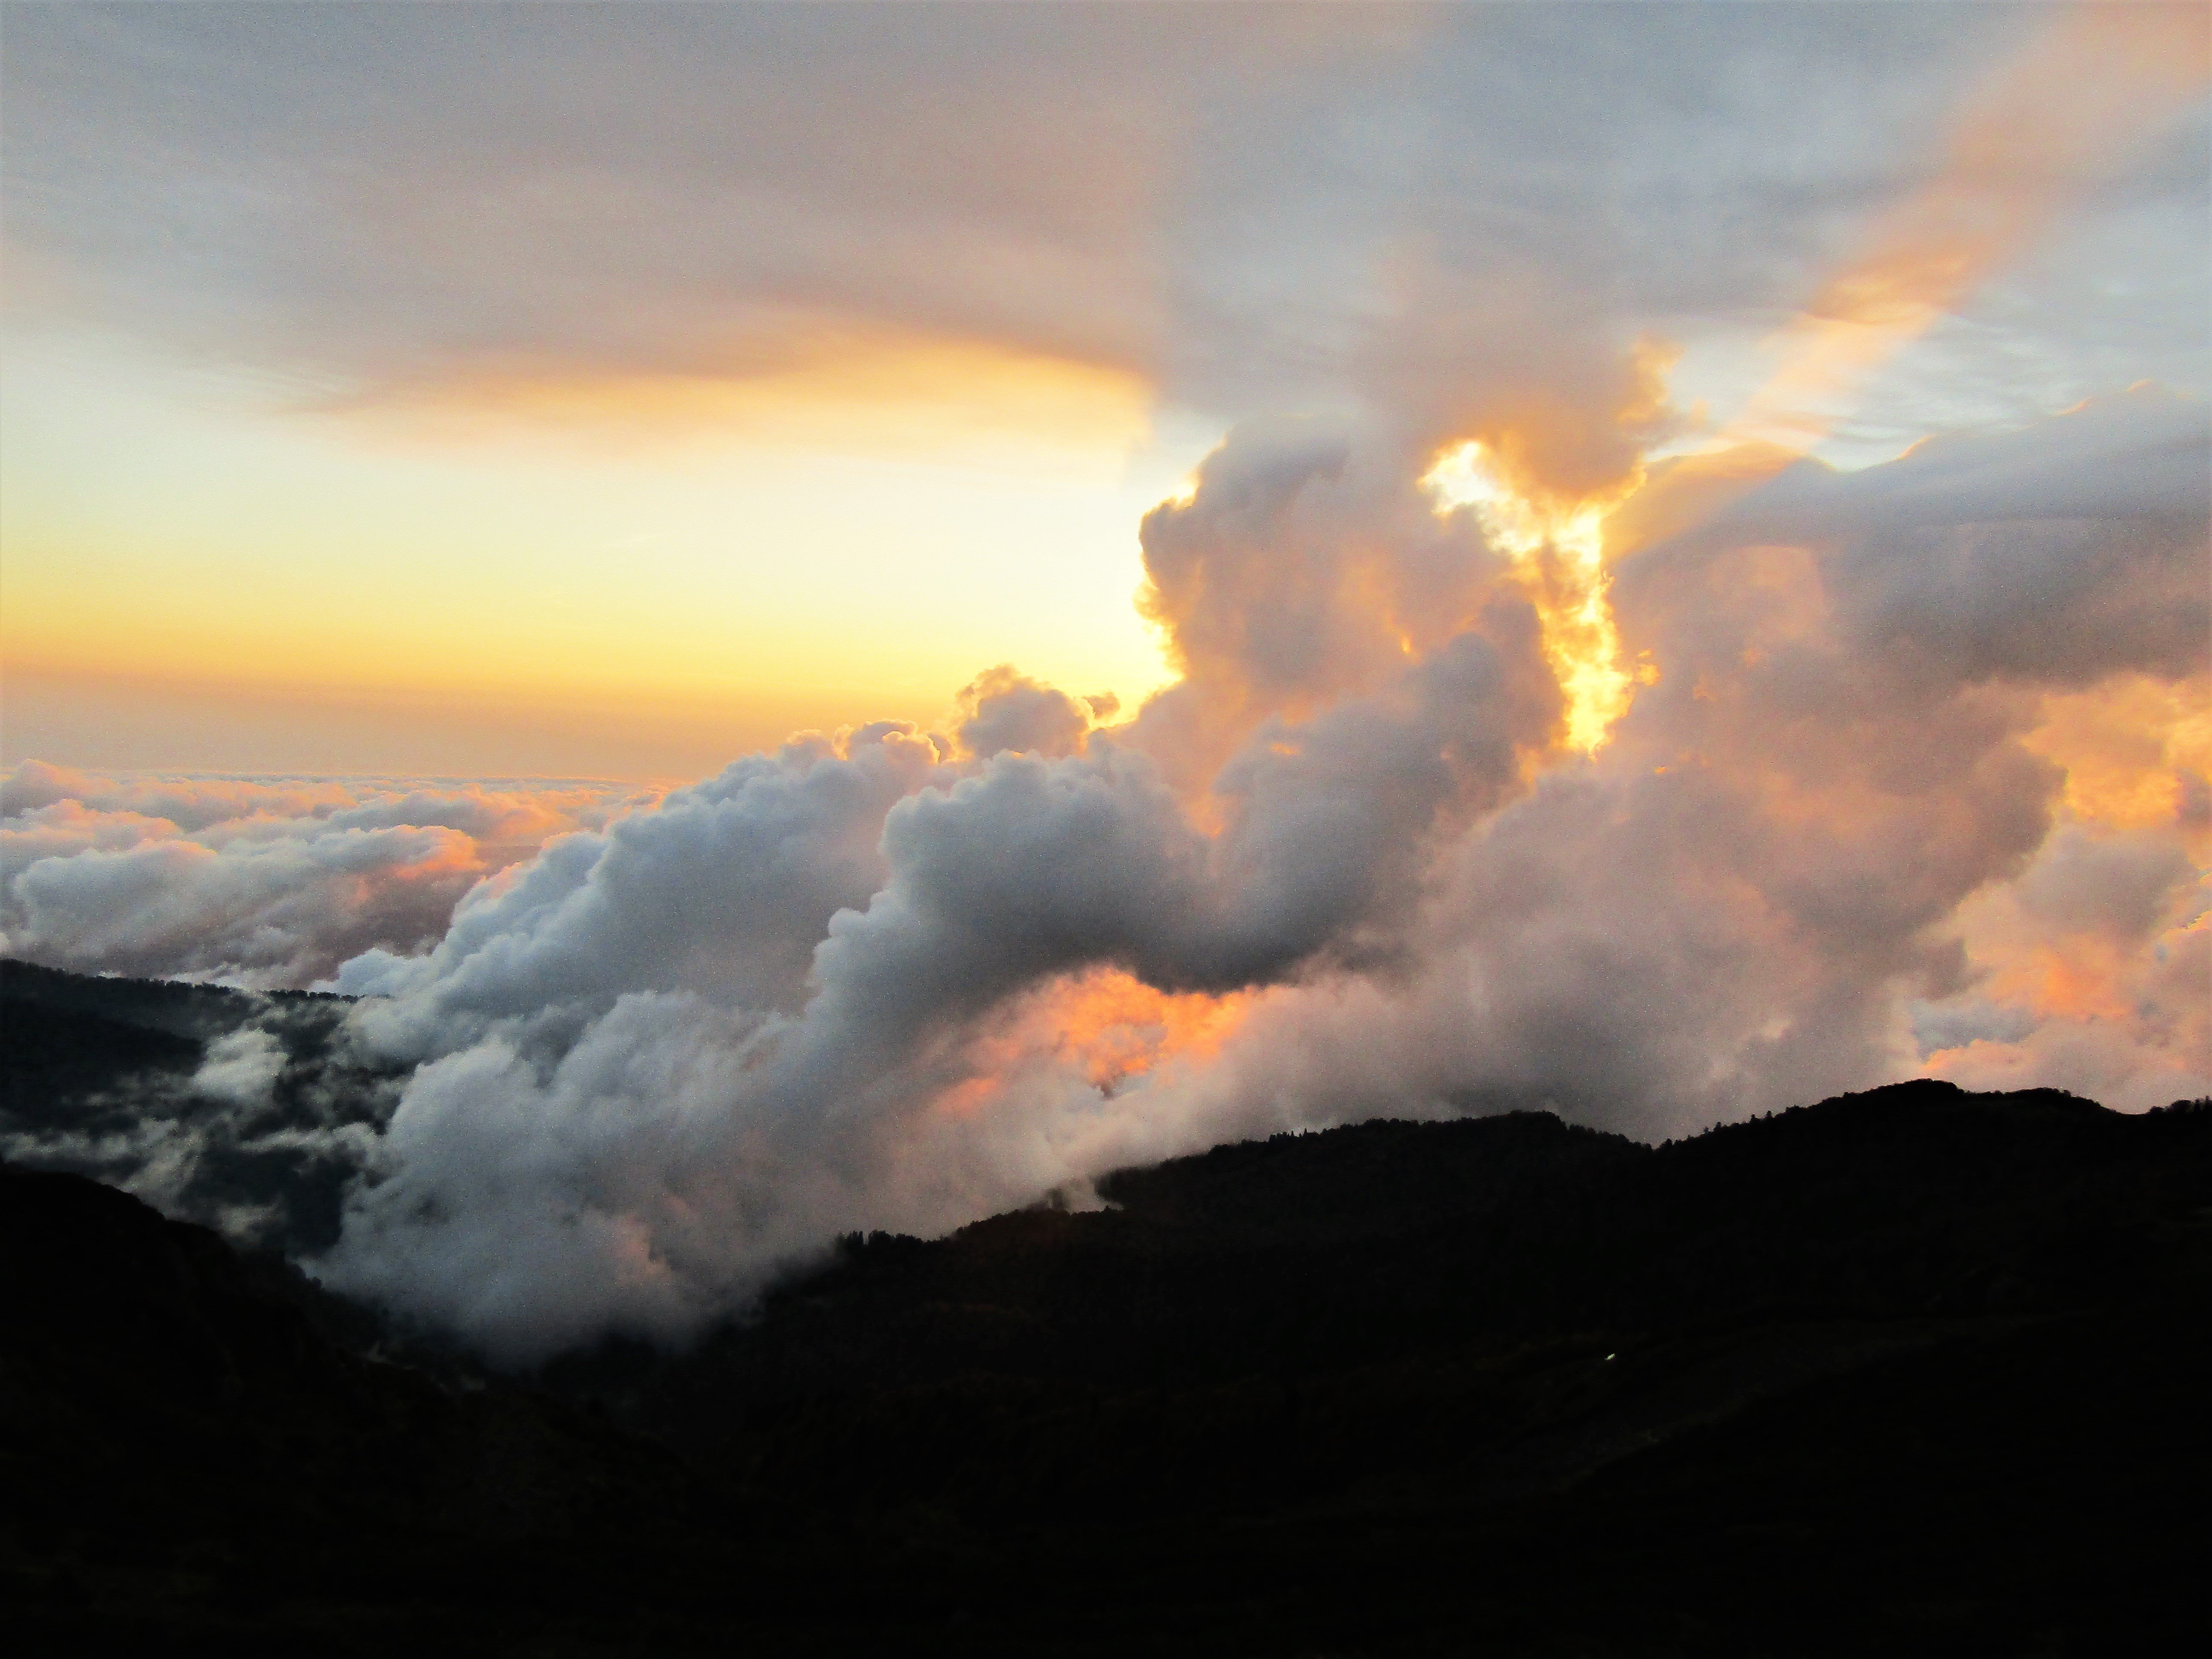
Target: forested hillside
[(1909, 1371)]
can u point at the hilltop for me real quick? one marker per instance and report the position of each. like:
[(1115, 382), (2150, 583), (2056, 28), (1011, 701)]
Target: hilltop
[(1912, 1371)]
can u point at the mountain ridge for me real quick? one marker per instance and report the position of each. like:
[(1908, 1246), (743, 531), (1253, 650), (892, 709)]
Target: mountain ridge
[(1914, 1370)]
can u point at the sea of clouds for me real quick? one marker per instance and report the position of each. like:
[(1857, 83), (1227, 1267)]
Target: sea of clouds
[(645, 1051), (1912, 780)]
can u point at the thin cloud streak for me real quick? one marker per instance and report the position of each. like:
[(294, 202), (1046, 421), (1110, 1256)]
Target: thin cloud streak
[(2033, 140)]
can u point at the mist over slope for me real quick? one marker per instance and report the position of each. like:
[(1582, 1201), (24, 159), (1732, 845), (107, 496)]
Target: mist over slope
[(238, 1110)]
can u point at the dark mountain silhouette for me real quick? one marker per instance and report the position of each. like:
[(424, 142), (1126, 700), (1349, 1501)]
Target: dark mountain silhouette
[(192, 1012), (1912, 1371), (97, 1078), (64, 1037)]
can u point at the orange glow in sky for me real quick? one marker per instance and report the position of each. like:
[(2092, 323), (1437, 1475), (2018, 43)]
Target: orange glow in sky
[(619, 579)]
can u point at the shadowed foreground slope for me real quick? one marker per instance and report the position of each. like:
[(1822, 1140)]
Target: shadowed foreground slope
[(1912, 1371)]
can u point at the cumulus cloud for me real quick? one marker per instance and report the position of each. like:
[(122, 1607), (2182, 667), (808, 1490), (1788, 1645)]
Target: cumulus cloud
[(1004, 709), (1822, 808), (723, 890), (240, 1068), (1308, 568), (1883, 802), (256, 881), (1344, 867)]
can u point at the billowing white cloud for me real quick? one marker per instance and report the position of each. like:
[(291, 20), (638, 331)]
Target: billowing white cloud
[(1844, 832), (873, 984)]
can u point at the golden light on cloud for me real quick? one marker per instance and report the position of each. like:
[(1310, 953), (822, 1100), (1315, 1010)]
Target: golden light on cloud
[(1558, 546), (1117, 1027), (2129, 747), (848, 391), (1105, 1026)]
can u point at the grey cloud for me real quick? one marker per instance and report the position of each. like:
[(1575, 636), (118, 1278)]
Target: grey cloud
[(2137, 455), (1938, 1025), (2119, 886), (2071, 549), (1252, 207), (492, 809), (274, 913), (2058, 601), (1006, 710), (241, 1067), (1035, 868)]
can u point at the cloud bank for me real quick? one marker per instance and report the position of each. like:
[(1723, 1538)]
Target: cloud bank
[(1911, 781), (1653, 789), (1910, 778), (256, 882)]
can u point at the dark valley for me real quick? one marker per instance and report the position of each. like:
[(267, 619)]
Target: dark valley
[(1909, 1371)]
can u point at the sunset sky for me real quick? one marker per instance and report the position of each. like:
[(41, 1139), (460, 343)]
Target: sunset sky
[(845, 617), (609, 391)]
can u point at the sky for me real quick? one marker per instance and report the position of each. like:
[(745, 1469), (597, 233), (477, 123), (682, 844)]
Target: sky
[(610, 390), (844, 616)]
